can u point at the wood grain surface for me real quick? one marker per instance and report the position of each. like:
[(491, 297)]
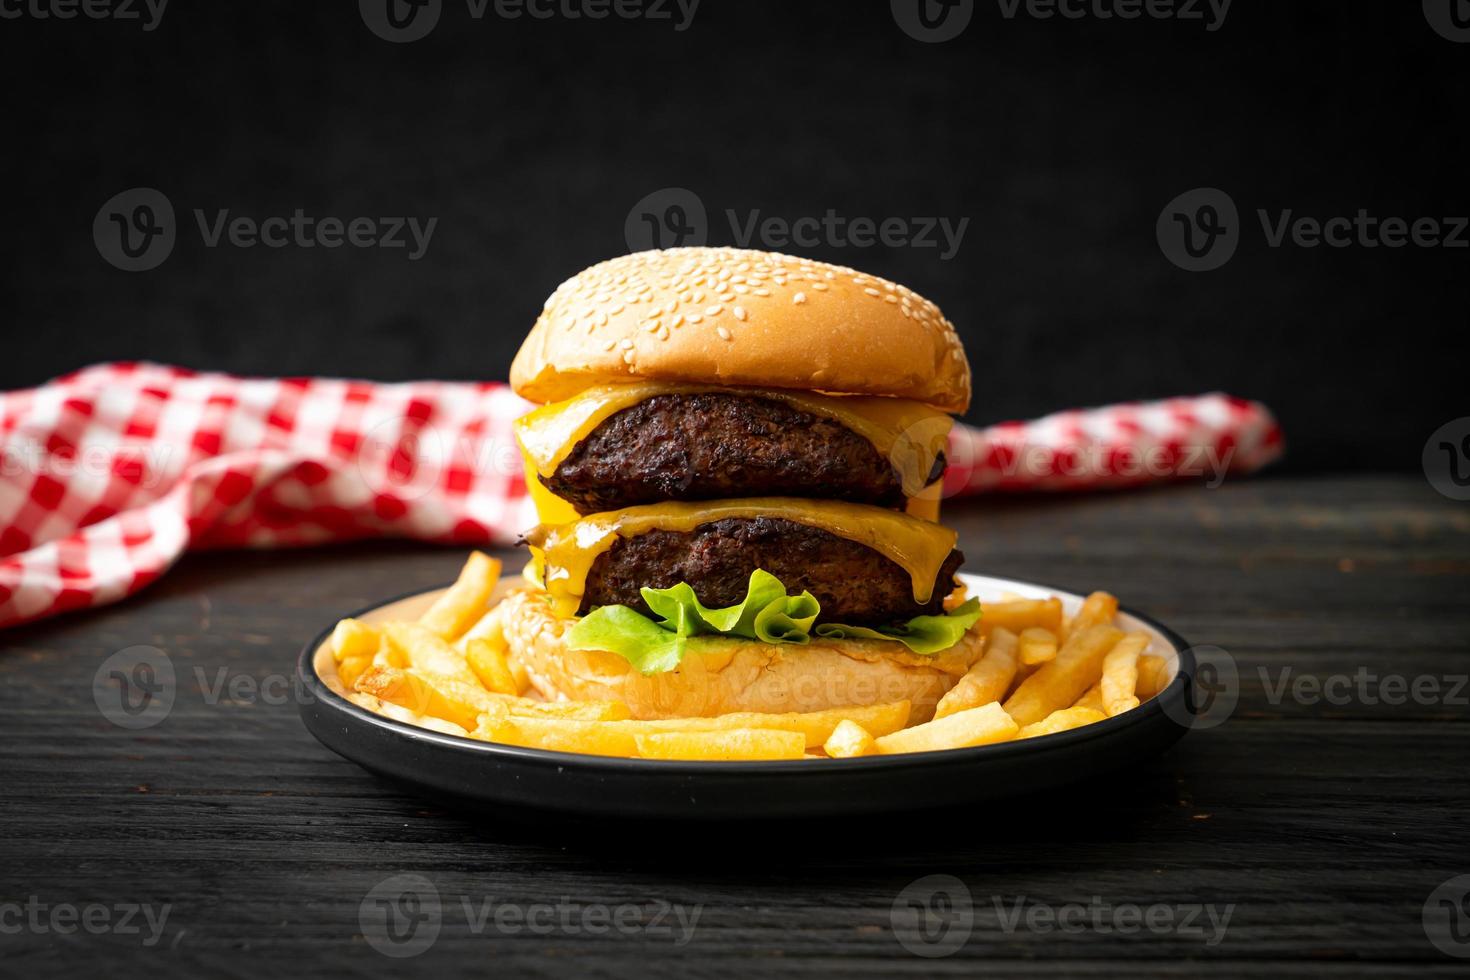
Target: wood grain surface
[(1321, 826)]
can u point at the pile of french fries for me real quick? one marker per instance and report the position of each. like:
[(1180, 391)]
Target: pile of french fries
[(1041, 673)]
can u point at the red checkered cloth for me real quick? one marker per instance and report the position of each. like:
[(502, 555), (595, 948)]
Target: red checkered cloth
[(111, 473)]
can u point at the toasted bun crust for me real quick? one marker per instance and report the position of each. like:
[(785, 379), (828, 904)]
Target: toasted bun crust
[(745, 675), (741, 317)]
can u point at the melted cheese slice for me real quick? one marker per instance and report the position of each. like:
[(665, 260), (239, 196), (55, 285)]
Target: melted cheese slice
[(564, 554), (908, 433)]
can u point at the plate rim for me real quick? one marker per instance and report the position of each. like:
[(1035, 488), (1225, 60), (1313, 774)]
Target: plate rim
[(1145, 713)]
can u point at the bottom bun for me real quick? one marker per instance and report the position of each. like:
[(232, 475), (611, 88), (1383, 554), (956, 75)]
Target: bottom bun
[(739, 675)]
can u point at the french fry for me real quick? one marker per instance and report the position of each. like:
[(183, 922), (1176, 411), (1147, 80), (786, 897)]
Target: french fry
[(814, 726), (489, 627), (427, 651), (349, 670), (416, 690), (388, 655), (558, 735), (412, 691), (1058, 684), (453, 612), (737, 744), (1062, 720), (568, 710), (353, 638), (1152, 676), (848, 740), (1019, 614), (519, 672), (1097, 610), (987, 680), (973, 726), (490, 667), (364, 700), (1092, 699), (1038, 645), (1120, 674)]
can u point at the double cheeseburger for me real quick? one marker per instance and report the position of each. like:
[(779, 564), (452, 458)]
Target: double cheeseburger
[(736, 472)]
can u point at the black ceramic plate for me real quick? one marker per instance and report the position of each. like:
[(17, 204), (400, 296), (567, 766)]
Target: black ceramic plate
[(480, 773)]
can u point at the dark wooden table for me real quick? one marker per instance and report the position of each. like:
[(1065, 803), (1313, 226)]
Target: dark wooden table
[(1322, 825)]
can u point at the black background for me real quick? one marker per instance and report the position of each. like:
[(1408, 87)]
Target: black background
[(530, 141)]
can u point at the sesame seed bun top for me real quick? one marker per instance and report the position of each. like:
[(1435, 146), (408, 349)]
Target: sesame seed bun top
[(732, 316)]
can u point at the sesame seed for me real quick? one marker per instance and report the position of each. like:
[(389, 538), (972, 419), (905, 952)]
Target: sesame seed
[(799, 298), (871, 291), (739, 313), (724, 334), (713, 310), (625, 344)]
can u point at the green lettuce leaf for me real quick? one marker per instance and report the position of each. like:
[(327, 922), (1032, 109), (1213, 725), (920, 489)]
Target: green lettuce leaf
[(923, 634), (766, 613), (649, 647)]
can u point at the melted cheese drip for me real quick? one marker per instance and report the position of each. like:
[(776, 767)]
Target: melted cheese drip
[(907, 433), (565, 554)]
